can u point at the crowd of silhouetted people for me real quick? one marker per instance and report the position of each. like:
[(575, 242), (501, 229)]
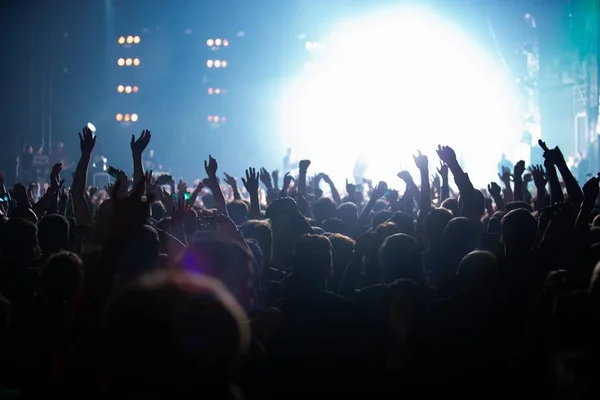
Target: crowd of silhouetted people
[(263, 287)]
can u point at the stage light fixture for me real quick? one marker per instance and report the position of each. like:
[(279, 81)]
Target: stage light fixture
[(210, 90), (120, 88), (129, 39), (224, 64), (121, 40), (225, 42), (127, 89), (128, 62), (136, 39), (223, 119), (217, 91), (209, 63), (216, 119), (126, 118), (119, 117), (217, 64), (121, 62), (136, 62), (135, 89), (210, 43), (217, 42), (134, 117), (210, 118)]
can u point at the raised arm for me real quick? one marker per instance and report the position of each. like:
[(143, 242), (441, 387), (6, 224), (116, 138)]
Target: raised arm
[(211, 167), (87, 141), (137, 149), (251, 185)]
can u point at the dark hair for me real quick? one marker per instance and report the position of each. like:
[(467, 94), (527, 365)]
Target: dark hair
[(53, 233), (400, 257), (62, 276), (324, 208), (174, 333), (312, 257), (238, 211)]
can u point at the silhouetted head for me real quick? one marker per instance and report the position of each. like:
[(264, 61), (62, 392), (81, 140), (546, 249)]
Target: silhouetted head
[(342, 248), (495, 222), (53, 234), (461, 236), (452, 206), (62, 277), (519, 230), (261, 231), (19, 242), (348, 213), (141, 253), (435, 223), (312, 261), (400, 257), (324, 208), (334, 225), (227, 261), (172, 334), (477, 272), (238, 211), (381, 217)]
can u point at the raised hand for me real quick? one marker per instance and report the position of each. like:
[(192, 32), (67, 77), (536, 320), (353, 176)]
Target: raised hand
[(230, 180), (350, 188), (287, 180), (167, 199), (275, 176), (505, 176), (443, 170), (539, 176), (265, 178), (380, 190), (554, 156), (591, 189), (87, 141), (405, 176), (446, 154), (251, 181), (494, 190), (519, 169), (304, 164), (211, 167), (527, 178), (421, 161), (55, 181), (19, 193), (151, 183), (138, 146), (182, 187)]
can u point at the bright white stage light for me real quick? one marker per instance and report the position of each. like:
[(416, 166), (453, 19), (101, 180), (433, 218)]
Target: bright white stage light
[(431, 85)]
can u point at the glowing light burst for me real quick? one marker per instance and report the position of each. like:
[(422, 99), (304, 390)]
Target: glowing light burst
[(396, 82)]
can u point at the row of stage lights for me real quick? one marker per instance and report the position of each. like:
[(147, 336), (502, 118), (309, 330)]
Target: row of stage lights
[(215, 91), (217, 42), (127, 89), (216, 63), (126, 117), (129, 40), (216, 118), (128, 62)]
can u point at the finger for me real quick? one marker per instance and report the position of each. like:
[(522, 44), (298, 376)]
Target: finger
[(244, 182)]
